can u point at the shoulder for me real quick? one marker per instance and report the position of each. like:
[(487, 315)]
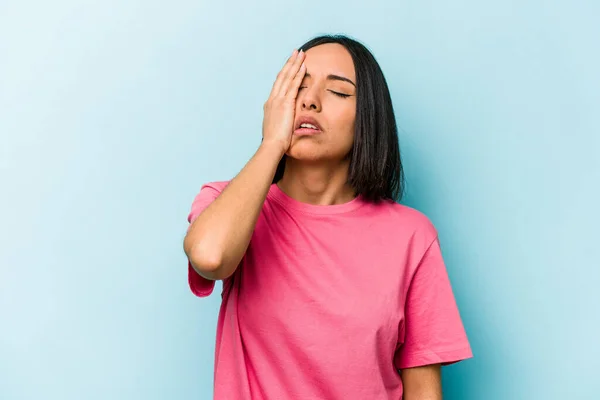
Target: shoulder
[(407, 220), (408, 216), (207, 194), (217, 186)]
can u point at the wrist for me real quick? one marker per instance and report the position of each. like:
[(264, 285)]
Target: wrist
[(274, 148)]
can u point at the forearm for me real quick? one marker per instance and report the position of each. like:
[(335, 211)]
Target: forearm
[(422, 383), (218, 238), (422, 396)]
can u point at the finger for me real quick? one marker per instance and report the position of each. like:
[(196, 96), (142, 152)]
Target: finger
[(295, 84), (281, 75), (292, 72), (289, 74)]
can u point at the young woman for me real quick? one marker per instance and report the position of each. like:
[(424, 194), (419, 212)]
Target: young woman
[(331, 289)]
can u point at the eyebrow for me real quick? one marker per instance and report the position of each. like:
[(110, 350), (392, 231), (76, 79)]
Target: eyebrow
[(332, 77)]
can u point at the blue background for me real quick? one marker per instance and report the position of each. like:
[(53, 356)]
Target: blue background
[(112, 114)]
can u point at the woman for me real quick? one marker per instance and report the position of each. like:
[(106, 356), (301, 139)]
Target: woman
[(331, 289)]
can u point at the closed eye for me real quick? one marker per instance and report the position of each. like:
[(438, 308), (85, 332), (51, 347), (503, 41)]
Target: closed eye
[(342, 95)]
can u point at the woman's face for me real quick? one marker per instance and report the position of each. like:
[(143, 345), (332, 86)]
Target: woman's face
[(328, 95)]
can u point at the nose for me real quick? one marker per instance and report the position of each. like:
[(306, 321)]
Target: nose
[(310, 100)]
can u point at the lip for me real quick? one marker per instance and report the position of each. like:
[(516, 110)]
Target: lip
[(307, 131)]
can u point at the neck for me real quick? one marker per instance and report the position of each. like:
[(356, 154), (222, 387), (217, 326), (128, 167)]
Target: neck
[(317, 183)]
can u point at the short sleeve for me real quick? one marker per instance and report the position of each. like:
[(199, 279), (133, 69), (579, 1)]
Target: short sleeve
[(199, 285), (433, 332)]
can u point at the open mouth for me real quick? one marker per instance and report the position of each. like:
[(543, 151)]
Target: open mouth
[(307, 129), (307, 126)]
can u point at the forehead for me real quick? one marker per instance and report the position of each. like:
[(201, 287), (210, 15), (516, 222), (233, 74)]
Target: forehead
[(330, 58)]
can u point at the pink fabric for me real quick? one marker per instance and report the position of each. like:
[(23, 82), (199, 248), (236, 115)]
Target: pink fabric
[(330, 301)]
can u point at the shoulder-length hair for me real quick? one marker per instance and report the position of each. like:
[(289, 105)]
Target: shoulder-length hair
[(375, 170)]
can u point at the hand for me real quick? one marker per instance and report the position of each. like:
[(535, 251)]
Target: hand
[(280, 108)]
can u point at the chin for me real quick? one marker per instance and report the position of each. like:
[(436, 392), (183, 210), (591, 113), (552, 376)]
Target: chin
[(312, 151), (304, 153)]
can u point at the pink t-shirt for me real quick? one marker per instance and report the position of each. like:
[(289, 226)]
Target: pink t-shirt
[(330, 301)]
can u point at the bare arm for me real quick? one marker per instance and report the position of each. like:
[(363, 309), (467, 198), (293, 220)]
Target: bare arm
[(219, 237), (422, 383)]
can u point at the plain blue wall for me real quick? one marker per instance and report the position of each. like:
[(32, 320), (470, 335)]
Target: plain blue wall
[(114, 113)]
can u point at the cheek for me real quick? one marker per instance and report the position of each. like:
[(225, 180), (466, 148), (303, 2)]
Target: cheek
[(344, 128)]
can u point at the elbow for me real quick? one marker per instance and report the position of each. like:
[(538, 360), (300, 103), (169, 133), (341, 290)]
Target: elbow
[(207, 263), (208, 257)]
